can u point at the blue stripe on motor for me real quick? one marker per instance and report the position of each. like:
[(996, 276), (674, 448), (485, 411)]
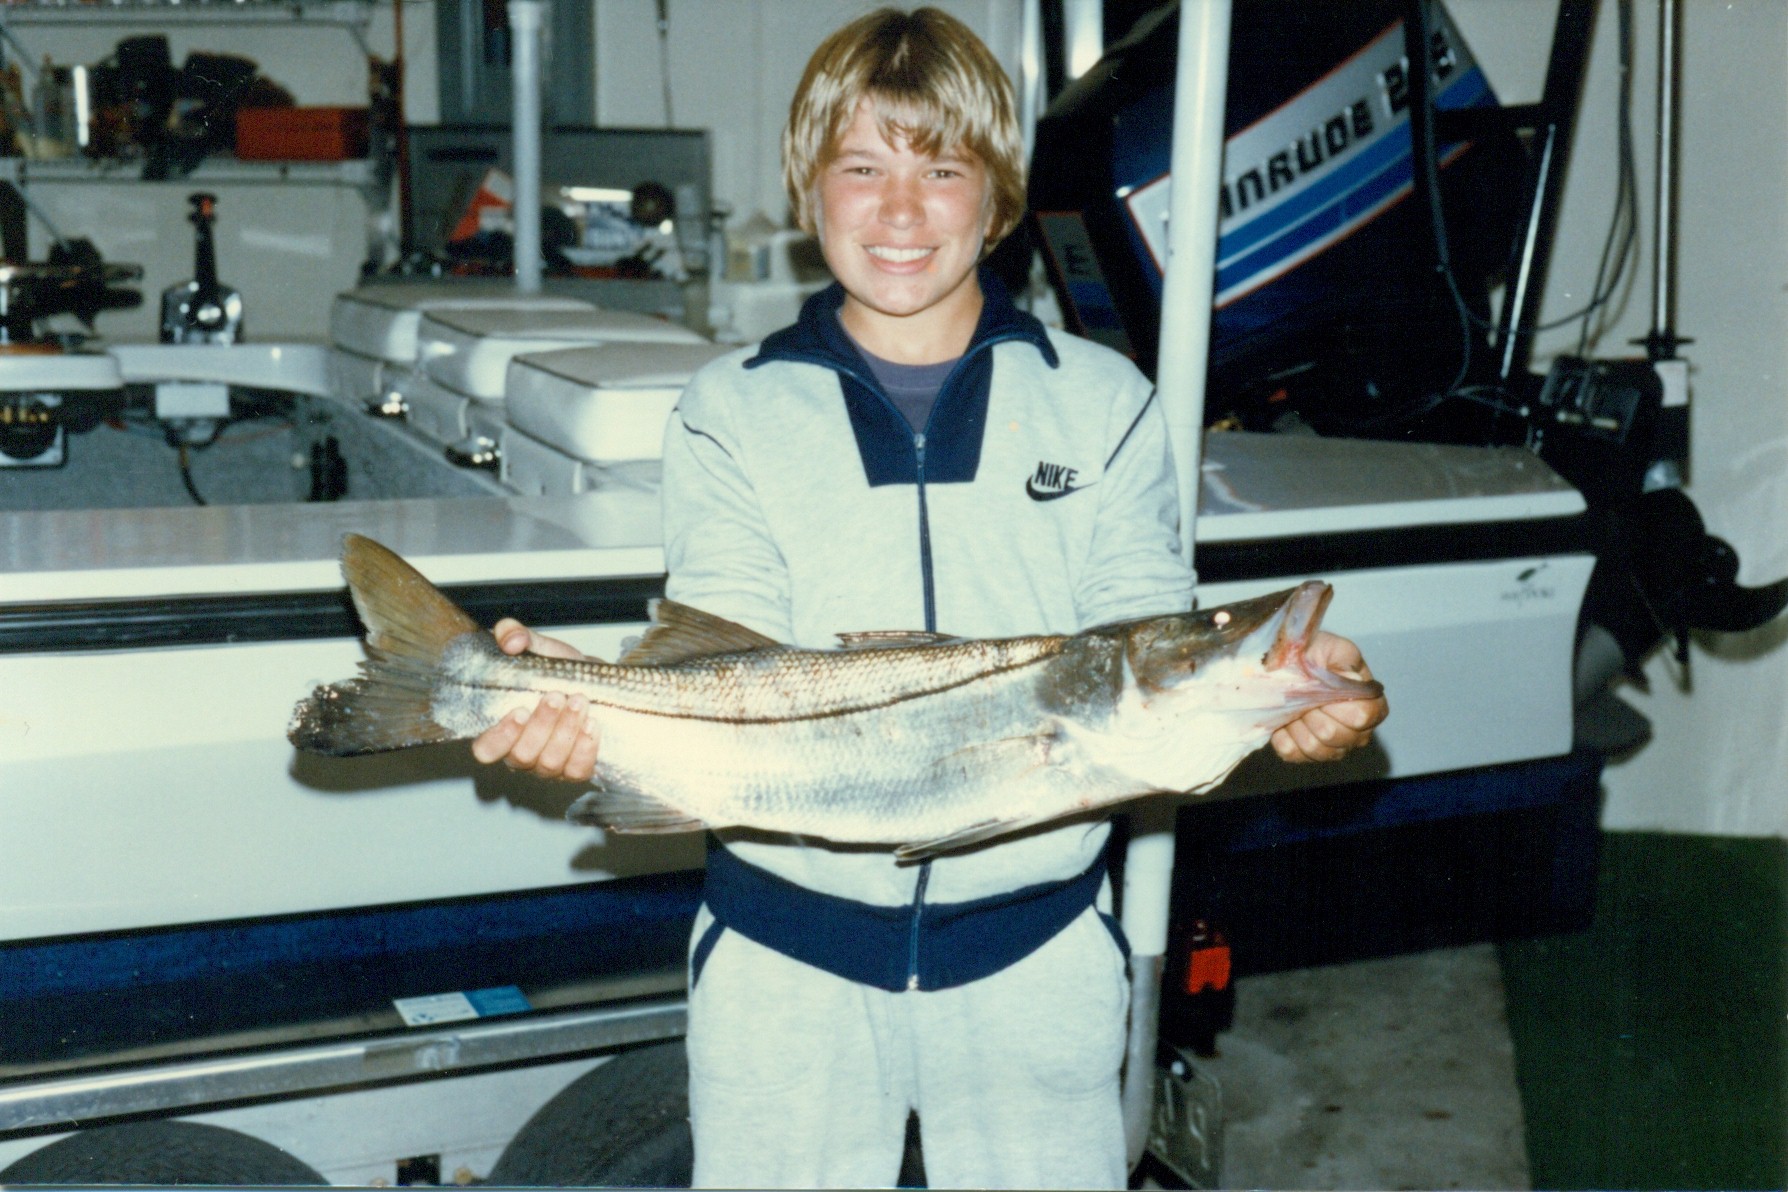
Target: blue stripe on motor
[(1343, 211), (1317, 202), (1318, 195)]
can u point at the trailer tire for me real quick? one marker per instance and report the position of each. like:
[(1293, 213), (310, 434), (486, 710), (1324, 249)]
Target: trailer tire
[(160, 1152), (623, 1124)]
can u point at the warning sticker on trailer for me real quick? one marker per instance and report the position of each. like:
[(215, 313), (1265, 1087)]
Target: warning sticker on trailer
[(435, 1008)]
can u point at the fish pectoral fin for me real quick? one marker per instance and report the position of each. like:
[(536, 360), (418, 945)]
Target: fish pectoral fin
[(1007, 759), (973, 834), (1002, 756), (623, 809), (680, 633), (889, 639)]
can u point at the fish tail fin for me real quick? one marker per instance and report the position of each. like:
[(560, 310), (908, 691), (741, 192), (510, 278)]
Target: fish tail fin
[(409, 624)]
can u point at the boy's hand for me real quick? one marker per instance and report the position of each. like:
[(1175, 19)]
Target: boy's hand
[(553, 741), (1332, 731)]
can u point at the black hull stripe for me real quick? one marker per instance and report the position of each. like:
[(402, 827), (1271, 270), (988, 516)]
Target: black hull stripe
[(1371, 550), (307, 616), (301, 616)]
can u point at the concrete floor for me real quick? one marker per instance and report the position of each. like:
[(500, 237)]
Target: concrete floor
[(1391, 1074)]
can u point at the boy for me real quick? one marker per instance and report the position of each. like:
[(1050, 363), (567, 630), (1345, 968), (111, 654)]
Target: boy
[(872, 466)]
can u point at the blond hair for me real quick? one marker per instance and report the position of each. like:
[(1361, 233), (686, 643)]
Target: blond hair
[(929, 81)]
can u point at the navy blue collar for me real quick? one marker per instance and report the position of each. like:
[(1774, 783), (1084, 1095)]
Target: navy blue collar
[(948, 451), (817, 337)]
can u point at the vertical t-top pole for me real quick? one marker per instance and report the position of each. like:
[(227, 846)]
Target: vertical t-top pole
[(524, 24), (1200, 84)]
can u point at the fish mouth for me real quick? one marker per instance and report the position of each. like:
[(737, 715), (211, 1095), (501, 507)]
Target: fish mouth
[(1300, 617)]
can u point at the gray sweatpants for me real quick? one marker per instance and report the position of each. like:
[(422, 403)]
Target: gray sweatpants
[(798, 1078)]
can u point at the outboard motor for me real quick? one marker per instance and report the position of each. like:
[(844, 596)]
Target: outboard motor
[(1659, 573), (1327, 302), (1330, 314)]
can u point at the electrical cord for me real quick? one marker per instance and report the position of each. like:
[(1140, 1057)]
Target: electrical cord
[(42, 217), (1626, 201), (184, 449), (1426, 159), (1490, 396), (248, 409), (185, 458), (1622, 230)]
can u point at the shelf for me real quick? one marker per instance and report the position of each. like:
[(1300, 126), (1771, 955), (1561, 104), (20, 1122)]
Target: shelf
[(204, 12), (213, 171)]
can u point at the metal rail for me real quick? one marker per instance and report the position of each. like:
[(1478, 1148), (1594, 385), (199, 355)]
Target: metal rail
[(184, 1085), (1662, 342), (1555, 124)]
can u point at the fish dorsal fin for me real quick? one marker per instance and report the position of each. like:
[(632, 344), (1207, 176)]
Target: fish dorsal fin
[(888, 639), (680, 633)]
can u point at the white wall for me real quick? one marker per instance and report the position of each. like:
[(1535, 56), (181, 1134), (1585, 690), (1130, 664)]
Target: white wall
[(1719, 762), (734, 65)]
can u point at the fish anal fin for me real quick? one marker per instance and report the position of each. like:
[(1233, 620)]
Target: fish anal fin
[(620, 808), (680, 633), (889, 639), (962, 838)]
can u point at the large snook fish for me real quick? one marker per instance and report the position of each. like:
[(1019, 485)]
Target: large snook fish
[(913, 740)]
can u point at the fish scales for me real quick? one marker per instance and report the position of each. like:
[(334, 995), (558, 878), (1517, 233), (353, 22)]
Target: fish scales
[(904, 740), (695, 730)]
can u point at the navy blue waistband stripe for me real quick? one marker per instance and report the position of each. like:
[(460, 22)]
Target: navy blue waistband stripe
[(958, 942)]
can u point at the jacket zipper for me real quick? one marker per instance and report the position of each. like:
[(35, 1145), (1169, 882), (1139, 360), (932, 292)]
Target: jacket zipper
[(928, 581), (925, 576), (912, 969), (912, 955)]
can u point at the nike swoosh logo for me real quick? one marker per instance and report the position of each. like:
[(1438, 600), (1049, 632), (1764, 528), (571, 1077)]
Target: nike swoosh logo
[(1048, 494)]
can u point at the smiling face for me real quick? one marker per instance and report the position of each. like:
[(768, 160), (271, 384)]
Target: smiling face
[(903, 232)]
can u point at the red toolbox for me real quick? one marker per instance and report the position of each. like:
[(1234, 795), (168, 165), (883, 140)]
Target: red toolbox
[(300, 134)]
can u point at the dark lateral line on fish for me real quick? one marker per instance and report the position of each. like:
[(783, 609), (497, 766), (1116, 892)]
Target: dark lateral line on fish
[(302, 616), (828, 714)]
